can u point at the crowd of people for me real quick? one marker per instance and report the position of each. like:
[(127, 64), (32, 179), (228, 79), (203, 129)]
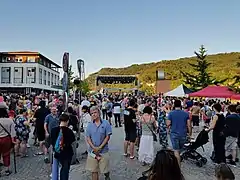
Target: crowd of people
[(145, 119)]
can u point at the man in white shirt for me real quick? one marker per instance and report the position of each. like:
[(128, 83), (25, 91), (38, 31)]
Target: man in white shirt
[(117, 113)]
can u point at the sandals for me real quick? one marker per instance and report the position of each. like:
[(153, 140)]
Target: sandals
[(24, 156), (8, 172), (5, 173), (38, 154), (132, 157)]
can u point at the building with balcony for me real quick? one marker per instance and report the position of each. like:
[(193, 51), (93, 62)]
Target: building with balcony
[(26, 72)]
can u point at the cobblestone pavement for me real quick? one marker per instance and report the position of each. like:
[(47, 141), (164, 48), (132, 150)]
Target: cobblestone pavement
[(33, 168)]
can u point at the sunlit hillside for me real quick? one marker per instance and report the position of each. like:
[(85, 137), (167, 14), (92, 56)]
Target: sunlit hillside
[(223, 66)]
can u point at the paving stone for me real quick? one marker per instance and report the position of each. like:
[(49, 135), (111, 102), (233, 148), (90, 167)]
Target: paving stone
[(33, 168)]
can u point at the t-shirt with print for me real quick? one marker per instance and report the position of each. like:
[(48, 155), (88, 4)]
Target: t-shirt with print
[(129, 120), (178, 120), (68, 139), (116, 108)]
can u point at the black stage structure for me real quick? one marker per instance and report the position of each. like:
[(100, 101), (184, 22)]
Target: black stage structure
[(116, 79)]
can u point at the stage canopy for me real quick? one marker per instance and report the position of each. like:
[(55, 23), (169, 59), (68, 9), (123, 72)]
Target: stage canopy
[(214, 92), (180, 91), (116, 79), (236, 97)]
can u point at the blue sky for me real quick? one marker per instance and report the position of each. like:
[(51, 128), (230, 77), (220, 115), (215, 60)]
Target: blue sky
[(117, 33)]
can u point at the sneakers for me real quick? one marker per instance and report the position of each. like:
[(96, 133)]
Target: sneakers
[(46, 160), (232, 163), (229, 157)]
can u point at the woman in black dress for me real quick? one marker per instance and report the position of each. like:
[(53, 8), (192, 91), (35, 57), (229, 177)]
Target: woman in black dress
[(218, 125)]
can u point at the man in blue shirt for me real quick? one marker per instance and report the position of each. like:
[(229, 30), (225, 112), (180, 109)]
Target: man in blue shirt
[(51, 121), (98, 134), (179, 124)]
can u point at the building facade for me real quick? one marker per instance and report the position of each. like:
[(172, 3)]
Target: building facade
[(27, 72)]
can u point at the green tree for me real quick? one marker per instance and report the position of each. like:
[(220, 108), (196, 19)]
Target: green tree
[(200, 78), (236, 85), (71, 77), (84, 87)]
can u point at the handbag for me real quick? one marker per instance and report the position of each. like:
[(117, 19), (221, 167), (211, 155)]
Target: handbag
[(6, 131), (153, 133)]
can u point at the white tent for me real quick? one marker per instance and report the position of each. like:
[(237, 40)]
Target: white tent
[(180, 91)]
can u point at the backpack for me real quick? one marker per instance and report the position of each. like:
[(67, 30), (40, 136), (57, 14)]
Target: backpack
[(59, 143)]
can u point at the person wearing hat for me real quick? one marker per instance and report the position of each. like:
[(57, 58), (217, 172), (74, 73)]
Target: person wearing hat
[(7, 137)]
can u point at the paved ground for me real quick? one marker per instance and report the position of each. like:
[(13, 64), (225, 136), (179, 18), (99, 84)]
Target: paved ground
[(33, 168)]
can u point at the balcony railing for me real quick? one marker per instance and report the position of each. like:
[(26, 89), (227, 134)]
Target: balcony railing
[(31, 80), (18, 80), (5, 80)]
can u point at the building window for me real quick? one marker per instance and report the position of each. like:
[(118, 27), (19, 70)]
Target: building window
[(18, 75), (6, 75), (31, 75), (4, 59), (57, 80), (40, 76), (18, 59), (52, 79), (49, 78), (30, 59), (40, 61), (45, 77)]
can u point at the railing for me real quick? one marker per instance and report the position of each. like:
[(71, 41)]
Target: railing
[(5, 80), (31, 80), (18, 80)]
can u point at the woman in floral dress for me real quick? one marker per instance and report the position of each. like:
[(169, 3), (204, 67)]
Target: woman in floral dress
[(22, 133), (163, 138)]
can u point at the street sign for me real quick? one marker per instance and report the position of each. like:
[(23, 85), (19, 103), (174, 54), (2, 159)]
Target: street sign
[(65, 63), (65, 81)]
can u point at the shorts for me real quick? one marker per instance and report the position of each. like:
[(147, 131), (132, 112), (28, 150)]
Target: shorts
[(231, 143), (178, 142), (109, 114), (101, 166), (131, 136), (48, 142), (195, 120), (207, 121), (40, 134)]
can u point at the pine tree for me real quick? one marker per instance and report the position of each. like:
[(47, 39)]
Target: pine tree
[(236, 85), (201, 78)]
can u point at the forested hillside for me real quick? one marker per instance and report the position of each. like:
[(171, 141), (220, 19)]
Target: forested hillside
[(222, 66)]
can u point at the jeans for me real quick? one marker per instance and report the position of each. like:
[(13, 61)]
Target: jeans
[(64, 172), (178, 142)]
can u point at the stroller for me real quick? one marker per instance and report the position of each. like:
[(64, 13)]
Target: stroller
[(190, 149)]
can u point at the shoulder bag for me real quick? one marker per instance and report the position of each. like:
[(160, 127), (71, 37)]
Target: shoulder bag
[(14, 155), (153, 133)]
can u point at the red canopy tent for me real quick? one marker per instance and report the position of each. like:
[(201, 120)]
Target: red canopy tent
[(214, 92), (236, 97)]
